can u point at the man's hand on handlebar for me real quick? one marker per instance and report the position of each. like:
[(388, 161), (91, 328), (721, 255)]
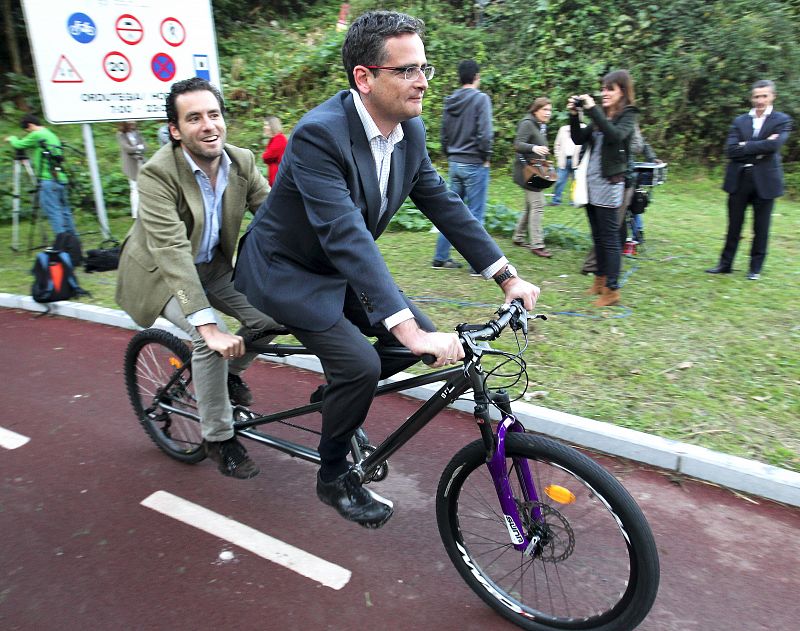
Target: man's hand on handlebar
[(226, 344), (446, 347), (518, 288)]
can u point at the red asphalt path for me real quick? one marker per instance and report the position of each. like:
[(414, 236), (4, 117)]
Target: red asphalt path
[(79, 551)]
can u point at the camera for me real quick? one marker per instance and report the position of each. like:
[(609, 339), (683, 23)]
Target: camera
[(577, 102)]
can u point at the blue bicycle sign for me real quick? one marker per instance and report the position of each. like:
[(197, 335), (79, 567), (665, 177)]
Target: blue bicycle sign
[(81, 27)]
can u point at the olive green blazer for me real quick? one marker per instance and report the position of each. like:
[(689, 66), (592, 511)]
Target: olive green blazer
[(157, 259)]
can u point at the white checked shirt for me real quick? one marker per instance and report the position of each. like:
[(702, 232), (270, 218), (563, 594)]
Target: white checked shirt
[(381, 146)]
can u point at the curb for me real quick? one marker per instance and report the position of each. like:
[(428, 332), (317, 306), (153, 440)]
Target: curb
[(701, 463)]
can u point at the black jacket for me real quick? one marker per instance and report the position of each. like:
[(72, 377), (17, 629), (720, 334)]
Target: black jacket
[(617, 135)]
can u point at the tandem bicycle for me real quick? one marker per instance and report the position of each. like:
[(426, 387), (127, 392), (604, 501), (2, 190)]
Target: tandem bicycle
[(539, 531)]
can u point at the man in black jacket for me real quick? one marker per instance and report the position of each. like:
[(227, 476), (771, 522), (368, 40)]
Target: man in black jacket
[(466, 137), (754, 175)]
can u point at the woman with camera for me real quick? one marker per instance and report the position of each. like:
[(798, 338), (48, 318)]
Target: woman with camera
[(607, 137), (531, 142)]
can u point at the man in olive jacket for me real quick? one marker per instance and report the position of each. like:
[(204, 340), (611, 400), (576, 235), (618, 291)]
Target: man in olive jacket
[(176, 261)]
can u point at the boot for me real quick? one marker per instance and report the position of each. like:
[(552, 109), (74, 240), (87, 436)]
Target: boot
[(597, 288), (608, 297)]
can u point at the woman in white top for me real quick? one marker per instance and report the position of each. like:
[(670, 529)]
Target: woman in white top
[(132, 149)]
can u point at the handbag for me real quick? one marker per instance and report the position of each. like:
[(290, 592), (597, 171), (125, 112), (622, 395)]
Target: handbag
[(104, 258), (580, 190), (538, 173)]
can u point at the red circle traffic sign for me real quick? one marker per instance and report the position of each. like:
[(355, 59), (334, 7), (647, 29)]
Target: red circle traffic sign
[(163, 66), (116, 66), (129, 29), (172, 31)]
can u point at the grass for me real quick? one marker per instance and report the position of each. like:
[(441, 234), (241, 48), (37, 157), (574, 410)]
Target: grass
[(709, 360)]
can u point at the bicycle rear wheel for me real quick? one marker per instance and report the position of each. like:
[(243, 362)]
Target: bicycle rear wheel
[(169, 417), (596, 565)]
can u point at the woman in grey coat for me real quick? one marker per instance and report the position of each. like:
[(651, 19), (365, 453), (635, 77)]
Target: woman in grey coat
[(531, 142)]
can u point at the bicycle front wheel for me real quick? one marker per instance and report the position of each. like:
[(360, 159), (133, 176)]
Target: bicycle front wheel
[(595, 565), (168, 415)]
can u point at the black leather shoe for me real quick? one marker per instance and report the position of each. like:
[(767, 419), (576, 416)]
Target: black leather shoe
[(719, 269), (238, 391), (352, 501), (753, 275)]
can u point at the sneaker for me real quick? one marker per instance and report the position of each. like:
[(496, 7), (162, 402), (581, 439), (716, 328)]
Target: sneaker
[(448, 264), (232, 458), (352, 501), (753, 275), (472, 272), (238, 391)]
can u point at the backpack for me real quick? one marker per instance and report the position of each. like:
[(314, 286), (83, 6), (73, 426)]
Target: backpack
[(71, 244), (53, 277)]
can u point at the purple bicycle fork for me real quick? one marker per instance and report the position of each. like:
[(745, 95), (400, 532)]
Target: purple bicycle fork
[(497, 467)]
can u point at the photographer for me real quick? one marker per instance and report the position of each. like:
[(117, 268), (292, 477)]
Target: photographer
[(52, 181), (132, 148), (607, 137)]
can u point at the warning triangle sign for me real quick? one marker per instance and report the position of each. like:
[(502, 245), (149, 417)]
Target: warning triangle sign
[(65, 72)]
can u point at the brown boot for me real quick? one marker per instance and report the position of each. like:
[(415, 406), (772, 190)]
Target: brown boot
[(597, 287), (608, 297)]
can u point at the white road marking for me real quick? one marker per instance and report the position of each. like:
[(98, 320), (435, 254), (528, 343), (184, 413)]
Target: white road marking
[(11, 440), (272, 549)]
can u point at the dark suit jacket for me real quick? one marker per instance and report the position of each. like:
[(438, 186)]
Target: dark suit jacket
[(315, 234), (763, 154)]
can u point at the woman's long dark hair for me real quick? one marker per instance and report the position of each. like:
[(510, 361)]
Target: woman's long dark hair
[(623, 79)]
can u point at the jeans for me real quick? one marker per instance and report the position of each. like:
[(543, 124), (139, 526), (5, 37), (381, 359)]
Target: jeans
[(53, 200), (471, 183), (529, 223), (561, 182), (606, 236)]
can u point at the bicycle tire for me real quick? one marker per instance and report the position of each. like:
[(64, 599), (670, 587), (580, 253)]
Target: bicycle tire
[(151, 359), (600, 569)]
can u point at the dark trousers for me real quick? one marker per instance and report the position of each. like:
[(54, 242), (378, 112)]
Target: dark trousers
[(352, 368), (762, 212), (606, 237), (590, 263)]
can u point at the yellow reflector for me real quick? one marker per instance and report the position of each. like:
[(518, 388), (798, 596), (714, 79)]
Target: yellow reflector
[(559, 494), (175, 362)]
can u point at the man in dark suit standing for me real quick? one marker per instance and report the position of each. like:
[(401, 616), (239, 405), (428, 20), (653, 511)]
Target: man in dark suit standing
[(754, 175), (309, 257)]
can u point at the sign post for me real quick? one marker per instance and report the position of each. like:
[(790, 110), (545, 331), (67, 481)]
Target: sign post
[(99, 61)]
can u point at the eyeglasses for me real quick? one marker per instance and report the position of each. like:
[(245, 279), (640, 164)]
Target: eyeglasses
[(410, 73)]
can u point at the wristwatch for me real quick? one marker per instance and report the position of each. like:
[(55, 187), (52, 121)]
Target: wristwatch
[(509, 272)]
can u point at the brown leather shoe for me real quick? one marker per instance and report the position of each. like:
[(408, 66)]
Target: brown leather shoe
[(541, 252), (608, 297), (597, 287)]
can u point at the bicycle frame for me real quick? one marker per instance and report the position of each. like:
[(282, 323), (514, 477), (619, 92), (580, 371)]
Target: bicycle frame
[(458, 380)]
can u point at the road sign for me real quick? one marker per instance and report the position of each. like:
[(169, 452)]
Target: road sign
[(129, 29), (163, 67), (81, 27), (65, 72), (105, 61), (173, 32), (117, 66)]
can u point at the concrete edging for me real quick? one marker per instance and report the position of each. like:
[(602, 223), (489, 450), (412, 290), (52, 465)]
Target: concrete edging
[(732, 472)]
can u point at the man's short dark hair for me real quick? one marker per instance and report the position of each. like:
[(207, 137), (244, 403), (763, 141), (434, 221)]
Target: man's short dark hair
[(195, 84), (467, 70), (29, 119), (365, 42), (764, 83)]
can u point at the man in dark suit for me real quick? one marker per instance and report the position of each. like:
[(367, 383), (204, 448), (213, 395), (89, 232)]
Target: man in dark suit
[(754, 175), (309, 257)]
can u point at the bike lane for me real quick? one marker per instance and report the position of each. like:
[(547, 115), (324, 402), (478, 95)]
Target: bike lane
[(79, 550)]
